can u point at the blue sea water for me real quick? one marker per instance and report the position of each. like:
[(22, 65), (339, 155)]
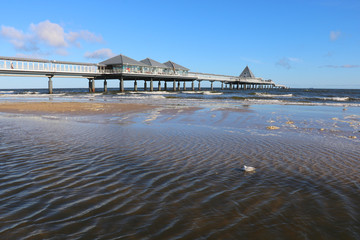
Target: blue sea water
[(329, 97)]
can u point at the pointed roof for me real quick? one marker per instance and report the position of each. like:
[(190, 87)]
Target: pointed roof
[(153, 63), (172, 65), (246, 73), (122, 60)]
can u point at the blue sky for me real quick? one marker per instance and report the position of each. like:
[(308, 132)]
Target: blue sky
[(299, 43)]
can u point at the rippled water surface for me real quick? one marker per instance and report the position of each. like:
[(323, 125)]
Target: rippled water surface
[(63, 178), (319, 97)]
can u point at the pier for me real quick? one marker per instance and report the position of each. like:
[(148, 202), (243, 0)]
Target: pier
[(123, 68)]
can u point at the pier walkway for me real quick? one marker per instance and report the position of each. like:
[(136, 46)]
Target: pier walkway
[(123, 68)]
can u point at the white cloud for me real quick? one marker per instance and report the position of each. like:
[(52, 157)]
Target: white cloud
[(18, 38), (292, 59), (47, 35), (341, 66), (334, 35), (100, 54), (51, 33), (12, 33), (74, 37), (62, 51), (286, 62)]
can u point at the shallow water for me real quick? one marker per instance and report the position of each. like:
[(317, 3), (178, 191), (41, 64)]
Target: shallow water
[(175, 174)]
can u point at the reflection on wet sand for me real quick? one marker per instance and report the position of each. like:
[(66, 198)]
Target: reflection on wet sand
[(138, 171)]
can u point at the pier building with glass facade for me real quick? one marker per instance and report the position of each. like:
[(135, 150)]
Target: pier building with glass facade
[(122, 64)]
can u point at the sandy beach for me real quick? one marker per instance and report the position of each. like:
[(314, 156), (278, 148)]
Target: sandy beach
[(82, 108)]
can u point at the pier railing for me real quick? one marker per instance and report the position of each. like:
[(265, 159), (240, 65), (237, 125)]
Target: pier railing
[(41, 66), (229, 79), (212, 77)]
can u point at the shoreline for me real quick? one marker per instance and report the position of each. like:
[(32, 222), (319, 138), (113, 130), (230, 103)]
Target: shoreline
[(270, 119)]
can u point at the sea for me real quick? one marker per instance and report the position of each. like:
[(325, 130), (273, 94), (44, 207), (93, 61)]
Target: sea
[(176, 171), (324, 97)]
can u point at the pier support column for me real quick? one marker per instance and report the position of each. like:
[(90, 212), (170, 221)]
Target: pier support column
[(165, 85), (222, 85), (159, 86), (192, 85), (212, 85), (178, 85), (231, 86), (145, 87), (199, 86), (135, 86), (245, 86), (50, 84), (184, 86), (105, 86), (174, 85), (91, 85), (151, 85), (121, 84), (237, 86)]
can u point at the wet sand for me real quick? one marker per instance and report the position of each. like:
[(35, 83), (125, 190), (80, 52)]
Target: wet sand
[(178, 178), (314, 120), (117, 170), (81, 108)]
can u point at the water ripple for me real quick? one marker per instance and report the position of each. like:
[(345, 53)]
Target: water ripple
[(182, 183)]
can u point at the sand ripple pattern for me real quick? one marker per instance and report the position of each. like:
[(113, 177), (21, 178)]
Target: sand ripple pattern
[(93, 181)]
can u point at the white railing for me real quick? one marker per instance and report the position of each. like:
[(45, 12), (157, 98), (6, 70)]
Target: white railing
[(212, 77), (229, 79), (41, 66), (255, 81)]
